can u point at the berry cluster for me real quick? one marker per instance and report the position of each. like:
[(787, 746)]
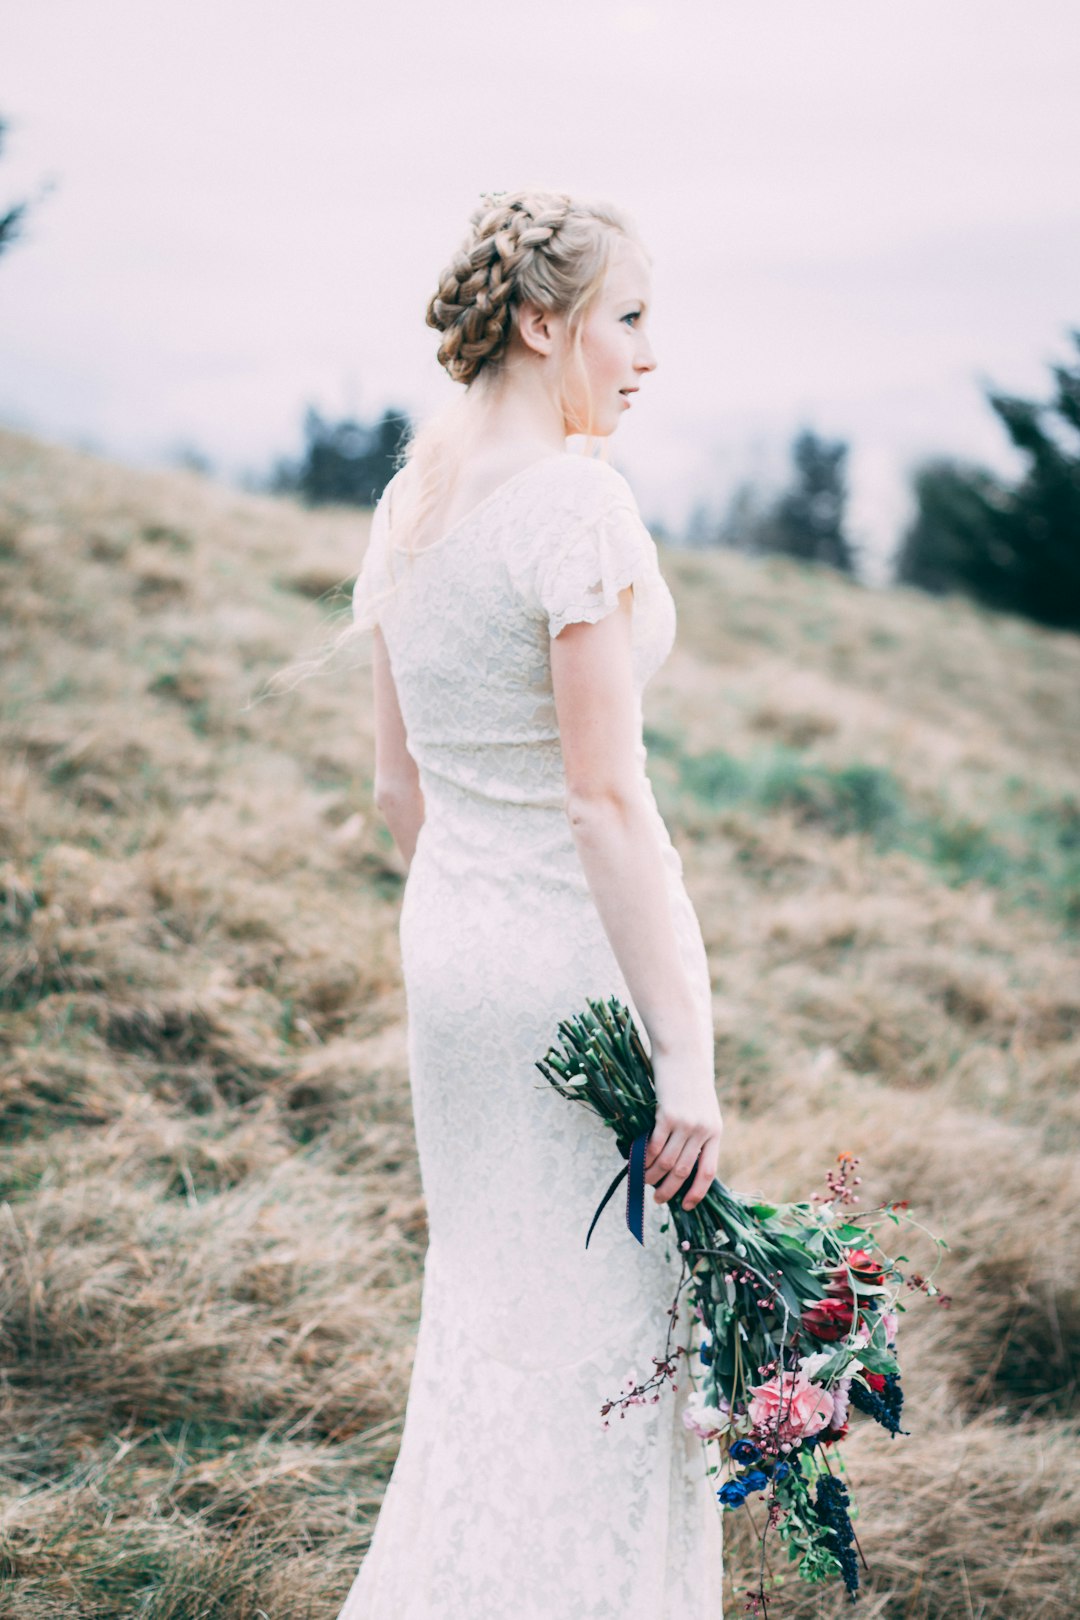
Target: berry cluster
[(831, 1507), (841, 1183), (884, 1401), (634, 1393), (923, 1285)]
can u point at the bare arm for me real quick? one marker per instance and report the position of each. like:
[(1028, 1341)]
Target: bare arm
[(397, 780), (615, 836)]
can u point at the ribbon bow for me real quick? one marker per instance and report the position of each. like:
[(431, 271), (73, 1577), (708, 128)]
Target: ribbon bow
[(634, 1171)]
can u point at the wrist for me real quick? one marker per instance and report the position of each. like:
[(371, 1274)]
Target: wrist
[(681, 1040)]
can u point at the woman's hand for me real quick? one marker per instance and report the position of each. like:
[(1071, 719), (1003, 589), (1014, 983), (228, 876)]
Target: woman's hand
[(688, 1127)]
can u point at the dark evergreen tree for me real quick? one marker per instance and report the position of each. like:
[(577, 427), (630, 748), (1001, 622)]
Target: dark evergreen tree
[(808, 520), (745, 524), (1013, 548), (347, 462), (11, 221), (951, 543)]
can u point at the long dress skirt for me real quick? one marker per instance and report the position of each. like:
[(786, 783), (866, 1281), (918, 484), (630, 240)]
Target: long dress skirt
[(509, 1500)]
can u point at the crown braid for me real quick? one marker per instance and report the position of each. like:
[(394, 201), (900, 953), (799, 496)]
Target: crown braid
[(518, 247)]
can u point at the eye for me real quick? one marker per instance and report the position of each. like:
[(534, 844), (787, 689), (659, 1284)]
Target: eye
[(633, 316)]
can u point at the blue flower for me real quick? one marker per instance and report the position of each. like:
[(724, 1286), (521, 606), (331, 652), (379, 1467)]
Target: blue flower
[(733, 1494), (744, 1451), (705, 1352), (781, 1469), (755, 1480)]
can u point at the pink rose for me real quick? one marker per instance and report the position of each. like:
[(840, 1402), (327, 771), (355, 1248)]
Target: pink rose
[(890, 1321), (790, 1407)]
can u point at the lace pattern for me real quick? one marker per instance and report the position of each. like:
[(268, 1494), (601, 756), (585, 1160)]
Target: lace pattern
[(508, 1501)]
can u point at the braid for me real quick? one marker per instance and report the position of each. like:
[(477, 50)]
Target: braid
[(511, 253)]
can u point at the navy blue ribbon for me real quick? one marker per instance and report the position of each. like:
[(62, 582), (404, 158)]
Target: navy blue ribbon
[(634, 1171)]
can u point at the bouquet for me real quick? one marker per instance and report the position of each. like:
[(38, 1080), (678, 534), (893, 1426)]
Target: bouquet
[(798, 1306)]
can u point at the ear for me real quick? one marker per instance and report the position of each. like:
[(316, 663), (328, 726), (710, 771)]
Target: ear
[(536, 327)]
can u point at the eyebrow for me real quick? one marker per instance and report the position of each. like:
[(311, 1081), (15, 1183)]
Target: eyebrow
[(641, 302)]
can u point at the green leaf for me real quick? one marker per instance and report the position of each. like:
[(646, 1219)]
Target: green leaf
[(833, 1368), (877, 1361)]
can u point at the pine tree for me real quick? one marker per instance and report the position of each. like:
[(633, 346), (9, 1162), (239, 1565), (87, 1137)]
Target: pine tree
[(11, 221), (1012, 548), (347, 461), (808, 519)]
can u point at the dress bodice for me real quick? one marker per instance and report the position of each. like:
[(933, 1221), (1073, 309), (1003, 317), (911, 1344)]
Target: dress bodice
[(468, 623)]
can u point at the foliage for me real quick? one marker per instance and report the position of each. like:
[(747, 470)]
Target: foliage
[(807, 520), (798, 1304), (346, 463), (11, 221), (1015, 548)]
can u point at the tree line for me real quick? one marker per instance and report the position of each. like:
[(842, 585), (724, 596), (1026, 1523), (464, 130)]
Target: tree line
[(1010, 545), (1014, 546)]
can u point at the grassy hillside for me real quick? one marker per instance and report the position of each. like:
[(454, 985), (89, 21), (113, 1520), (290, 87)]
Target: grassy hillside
[(211, 1229)]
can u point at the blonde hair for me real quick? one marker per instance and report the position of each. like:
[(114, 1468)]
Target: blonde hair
[(533, 245), (536, 246)]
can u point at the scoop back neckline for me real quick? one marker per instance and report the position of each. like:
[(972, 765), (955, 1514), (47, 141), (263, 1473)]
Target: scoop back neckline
[(467, 517)]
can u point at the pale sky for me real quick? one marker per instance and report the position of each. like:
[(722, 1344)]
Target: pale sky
[(858, 213)]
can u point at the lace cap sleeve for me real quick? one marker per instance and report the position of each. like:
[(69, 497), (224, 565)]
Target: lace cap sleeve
[(608, 548)]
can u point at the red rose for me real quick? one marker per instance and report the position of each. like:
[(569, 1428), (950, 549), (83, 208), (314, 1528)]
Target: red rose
[(875, 1380), (829, 1319), (865, 1267), (831, 1435)]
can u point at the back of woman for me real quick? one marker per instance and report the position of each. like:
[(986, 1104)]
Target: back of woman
[(509, 1498)]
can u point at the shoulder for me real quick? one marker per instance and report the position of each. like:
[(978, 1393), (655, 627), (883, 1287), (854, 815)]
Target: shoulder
[(580, 540), (577, 490), (589, 473), (580, 496)]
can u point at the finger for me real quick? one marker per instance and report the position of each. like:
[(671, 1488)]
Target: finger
[(707, 1166), (703, 1151), (668, 1157), (654, 1147), (682, 1168)]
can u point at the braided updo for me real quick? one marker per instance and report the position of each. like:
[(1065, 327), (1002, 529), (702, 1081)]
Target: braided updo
[(543, 247)]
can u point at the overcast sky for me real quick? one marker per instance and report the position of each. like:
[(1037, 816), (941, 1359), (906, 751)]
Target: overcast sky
[(858, 215)]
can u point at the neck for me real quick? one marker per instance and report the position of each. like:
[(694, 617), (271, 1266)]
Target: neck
[(515, 410)]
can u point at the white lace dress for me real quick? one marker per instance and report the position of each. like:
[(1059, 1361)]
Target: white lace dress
[(508, 1500)]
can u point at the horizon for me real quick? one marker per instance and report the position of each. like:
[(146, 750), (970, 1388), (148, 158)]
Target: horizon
[(867, 288)]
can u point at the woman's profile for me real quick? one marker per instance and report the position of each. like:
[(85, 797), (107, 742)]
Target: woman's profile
[(517, 610)]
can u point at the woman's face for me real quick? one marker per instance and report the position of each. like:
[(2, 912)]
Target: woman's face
[(615, 346)]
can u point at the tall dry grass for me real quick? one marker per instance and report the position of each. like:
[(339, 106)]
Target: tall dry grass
[(211, 1228)]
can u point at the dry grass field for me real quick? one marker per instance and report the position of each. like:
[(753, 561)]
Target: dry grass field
[(211, 1229)]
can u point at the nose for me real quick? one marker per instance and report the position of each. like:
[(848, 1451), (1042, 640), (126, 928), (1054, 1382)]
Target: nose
[(646, 360)]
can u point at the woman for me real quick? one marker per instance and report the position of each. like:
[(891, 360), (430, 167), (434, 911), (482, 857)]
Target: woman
[(517, 610)]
